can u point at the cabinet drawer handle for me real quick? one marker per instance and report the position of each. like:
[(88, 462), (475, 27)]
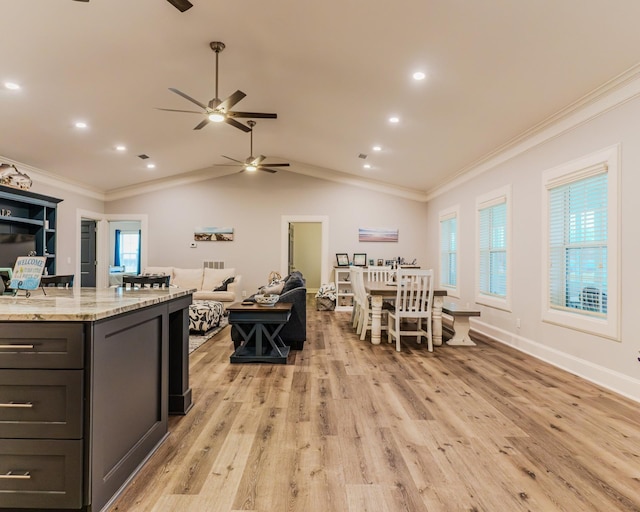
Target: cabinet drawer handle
[(16, 476), (17, 405), (19, 347)]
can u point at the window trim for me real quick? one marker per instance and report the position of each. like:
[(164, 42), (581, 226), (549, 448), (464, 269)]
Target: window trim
[(497, 196), (447, 214), (581, 168)]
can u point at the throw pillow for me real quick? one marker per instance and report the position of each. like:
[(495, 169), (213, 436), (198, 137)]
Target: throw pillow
[(273, 288), (225, 283), (292, 283), (213, 277)]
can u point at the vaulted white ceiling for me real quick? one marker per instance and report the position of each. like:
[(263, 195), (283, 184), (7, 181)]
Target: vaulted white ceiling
[(333, 71)]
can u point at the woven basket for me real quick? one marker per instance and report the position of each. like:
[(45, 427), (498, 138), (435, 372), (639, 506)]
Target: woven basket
[(325, 304)]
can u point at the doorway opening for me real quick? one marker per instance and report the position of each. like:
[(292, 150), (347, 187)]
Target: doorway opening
[(305, 248), (105, 226)]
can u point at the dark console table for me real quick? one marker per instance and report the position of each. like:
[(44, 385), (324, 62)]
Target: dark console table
[(253, 320)]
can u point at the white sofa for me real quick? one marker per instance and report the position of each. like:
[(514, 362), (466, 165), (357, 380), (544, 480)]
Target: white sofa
[(203, 280)]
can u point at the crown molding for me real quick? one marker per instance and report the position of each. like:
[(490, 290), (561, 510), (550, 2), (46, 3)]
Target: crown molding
[(47, 178), (612, 94)]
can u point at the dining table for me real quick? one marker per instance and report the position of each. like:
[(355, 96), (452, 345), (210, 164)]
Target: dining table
[(378, 290)]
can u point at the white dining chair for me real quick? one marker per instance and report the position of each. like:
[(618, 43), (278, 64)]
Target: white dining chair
[(378, 273), (365, 316), (414, 301), (355, 312)]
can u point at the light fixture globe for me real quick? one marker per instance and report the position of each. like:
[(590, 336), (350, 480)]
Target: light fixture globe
[(250, 168), (216, 117)]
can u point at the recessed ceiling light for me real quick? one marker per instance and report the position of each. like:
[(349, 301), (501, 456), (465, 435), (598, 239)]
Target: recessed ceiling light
[(151, 166), (367, 166), (377, 148), (121, 147), (12, 86), (80, 124), (394, 119), (419, 75)]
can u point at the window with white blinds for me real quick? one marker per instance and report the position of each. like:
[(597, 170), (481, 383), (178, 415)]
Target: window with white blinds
[(493, 249), (580, 210), (449, 250), (578, 245)]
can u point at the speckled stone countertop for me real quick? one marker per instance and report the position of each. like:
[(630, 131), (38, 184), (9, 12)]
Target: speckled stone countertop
[(82, 304)]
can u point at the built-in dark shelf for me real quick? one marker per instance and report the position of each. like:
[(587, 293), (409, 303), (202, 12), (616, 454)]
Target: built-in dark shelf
[(25, 212)]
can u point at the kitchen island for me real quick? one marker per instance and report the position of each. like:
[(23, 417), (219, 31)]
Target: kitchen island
[(87, 380)]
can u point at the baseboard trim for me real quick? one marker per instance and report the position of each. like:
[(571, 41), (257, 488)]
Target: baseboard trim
[(600, 375)]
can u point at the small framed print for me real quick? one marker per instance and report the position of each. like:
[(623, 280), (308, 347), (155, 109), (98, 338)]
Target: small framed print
[(343, 259), (360, 259), (380, 262)]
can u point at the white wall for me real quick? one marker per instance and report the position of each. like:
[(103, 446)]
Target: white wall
[(67, 230), (611, 363), (253, 205)]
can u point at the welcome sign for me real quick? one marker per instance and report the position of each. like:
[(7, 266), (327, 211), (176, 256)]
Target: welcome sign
[(27, 272)]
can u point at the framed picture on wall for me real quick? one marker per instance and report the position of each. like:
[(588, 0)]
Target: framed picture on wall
[(360, 259), (343, 259)]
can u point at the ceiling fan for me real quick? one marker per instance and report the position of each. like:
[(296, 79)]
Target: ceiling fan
[(181, 5), (252, 164), (218, 110)]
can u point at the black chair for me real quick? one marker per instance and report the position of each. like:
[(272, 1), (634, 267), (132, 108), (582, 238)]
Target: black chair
[(152, 281), (61, 281)]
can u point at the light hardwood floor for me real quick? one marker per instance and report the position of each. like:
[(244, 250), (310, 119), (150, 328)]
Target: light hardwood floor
[(351, 427)]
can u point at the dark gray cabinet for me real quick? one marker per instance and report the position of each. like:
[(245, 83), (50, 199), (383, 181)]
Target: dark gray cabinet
[(41, 415)]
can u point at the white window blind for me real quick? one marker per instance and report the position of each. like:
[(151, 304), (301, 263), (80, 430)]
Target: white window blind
[(449, 251), (578, 244), (492, 241)]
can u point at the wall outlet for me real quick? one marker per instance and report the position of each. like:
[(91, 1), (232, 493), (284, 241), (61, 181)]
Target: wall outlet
[(244, 294), (193, 245)]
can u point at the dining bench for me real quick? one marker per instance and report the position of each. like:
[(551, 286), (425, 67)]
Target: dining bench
[(459, 323)]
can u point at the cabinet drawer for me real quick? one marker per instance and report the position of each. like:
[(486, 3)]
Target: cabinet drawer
[(41, 404), (41, 345), (40, 474)]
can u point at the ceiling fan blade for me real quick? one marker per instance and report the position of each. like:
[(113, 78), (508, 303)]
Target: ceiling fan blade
[(174, 110), (238, 125), (189, 98), (202, 124), (255, 115), (259, 160), (229, 158), (181, 5), (278, 165), (231, 100), (267, 169)]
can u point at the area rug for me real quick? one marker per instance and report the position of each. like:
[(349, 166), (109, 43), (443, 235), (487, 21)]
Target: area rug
[(196, 341)]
